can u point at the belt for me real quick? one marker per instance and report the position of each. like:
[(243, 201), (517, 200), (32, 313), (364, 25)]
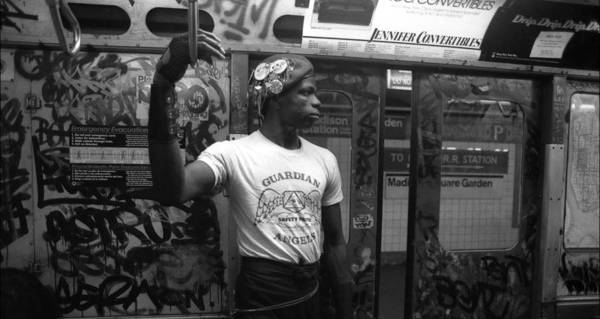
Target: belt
[(280, 305), (284, 304)]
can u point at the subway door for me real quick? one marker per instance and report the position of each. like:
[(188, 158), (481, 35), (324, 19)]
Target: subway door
[(473, 197), (350, 128), (578, 284)]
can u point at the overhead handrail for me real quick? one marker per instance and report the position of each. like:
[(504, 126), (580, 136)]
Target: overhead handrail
[(504, 106), (193, 31), (63, 6)]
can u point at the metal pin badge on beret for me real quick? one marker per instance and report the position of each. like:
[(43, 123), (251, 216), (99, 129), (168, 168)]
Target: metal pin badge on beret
[(275, 86), (261, 72), (279, 66)]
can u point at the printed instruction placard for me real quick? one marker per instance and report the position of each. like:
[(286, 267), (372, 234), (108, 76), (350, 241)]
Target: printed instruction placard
[(550, 44), (107, 156)]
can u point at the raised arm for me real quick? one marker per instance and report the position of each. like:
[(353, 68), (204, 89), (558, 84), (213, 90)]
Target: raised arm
[(174, 183), (335, 260)]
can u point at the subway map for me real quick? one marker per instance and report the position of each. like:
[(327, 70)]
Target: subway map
[(585, 162), (583, 191)]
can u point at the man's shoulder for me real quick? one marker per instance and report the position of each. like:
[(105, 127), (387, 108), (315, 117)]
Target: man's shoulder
[(247, 141), (233, 145), (220, 148), (317, 150)]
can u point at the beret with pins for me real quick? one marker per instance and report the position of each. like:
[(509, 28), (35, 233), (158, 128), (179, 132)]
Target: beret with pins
[(278, 73)]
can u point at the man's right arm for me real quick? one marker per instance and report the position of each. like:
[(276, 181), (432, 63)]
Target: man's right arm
[(174, 183)]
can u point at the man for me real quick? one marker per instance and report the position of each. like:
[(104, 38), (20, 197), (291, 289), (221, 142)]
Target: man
[(284, 191)]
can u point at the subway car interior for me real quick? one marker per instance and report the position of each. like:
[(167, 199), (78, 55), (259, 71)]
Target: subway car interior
[(466, 133)]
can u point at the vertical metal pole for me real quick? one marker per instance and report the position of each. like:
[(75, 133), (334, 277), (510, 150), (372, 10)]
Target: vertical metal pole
[(409, 303), (193, 31), (380, 186)]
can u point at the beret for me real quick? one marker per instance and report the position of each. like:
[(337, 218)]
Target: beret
[(277, 74)]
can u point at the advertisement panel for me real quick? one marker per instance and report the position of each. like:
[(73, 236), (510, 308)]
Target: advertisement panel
[(449, 29), (545, 33)]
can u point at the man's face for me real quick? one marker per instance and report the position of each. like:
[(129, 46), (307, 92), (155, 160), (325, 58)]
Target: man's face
[(299, 107)]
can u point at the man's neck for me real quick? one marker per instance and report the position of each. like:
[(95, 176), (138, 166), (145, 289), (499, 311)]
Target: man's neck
[(286, 137)]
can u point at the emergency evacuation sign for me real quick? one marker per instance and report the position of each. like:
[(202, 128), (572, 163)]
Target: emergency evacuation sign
[(109, 156)]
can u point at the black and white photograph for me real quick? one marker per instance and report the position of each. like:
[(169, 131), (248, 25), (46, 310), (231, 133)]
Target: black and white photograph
[(299, 159)]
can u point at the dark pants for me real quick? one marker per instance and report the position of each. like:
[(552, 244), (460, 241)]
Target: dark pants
[(264, 282)]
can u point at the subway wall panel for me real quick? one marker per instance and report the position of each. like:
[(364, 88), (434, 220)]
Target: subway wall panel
[(74, 163)]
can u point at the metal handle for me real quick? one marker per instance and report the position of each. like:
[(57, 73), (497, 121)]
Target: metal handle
[(193, 31), (63, 6)]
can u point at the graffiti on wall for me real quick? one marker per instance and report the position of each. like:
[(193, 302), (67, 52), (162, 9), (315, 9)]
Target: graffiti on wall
[(364, 204), (10, 11), (579, 275), (242, 19), (108, 250), (88, 88), (202, 133), (132, 260), (14, 183), (472, 286)]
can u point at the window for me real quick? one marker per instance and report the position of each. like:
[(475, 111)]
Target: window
[(98, 19), (168, 22), (483, 136), (288, 28)]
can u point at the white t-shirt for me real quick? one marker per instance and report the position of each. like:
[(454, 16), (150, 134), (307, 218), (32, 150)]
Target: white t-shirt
[(276, 194)]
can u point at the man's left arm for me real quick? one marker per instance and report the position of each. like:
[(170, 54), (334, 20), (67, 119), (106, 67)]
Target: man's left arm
[(335, 260)]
